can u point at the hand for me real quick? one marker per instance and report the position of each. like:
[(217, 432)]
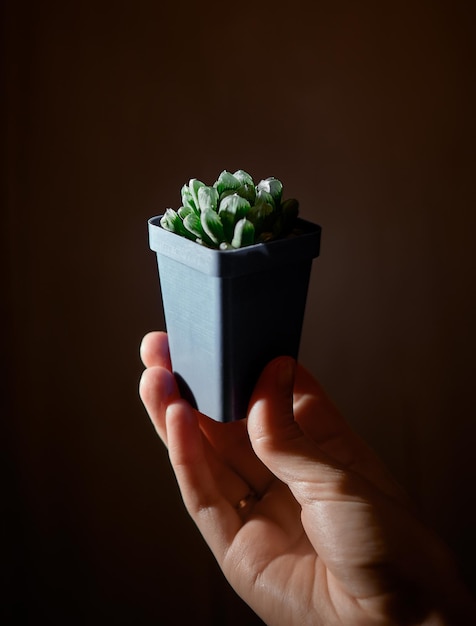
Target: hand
[(303, 519)]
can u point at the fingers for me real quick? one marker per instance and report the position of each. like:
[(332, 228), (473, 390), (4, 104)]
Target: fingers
[(277, 438), (157, 390), (308, 437), (215, 516), (311, 401), (230, 441), (232, 444), (322, 422), (228, 444), (154, 350)]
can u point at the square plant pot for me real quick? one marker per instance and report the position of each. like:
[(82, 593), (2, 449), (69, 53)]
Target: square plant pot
[(229, 312)]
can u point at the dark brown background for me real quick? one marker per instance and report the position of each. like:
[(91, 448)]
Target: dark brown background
[(366, 112)]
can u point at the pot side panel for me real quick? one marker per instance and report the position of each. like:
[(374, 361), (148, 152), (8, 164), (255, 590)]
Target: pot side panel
[(223, 331), (192, 313), (262, 319)]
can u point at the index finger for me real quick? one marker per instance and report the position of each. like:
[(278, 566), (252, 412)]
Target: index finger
[(154, 350)]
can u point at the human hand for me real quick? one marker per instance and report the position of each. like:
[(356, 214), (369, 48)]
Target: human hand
[(326, 536)]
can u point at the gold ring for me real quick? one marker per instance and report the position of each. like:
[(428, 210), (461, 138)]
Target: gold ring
[(244, 502)]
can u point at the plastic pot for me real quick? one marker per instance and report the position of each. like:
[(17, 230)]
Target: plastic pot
[(228, 313)]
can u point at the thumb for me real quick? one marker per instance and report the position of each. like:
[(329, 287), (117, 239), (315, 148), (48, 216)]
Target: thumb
[(278, 439), (326, 491)]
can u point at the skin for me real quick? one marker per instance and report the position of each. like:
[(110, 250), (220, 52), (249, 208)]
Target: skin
[(330, 538)]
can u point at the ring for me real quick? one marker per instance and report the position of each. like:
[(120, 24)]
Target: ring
[(246, 501)]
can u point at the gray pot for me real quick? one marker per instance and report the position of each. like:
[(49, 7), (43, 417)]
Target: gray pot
[(228, 313)]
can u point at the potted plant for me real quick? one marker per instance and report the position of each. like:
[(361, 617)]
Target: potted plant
[(234, 264)]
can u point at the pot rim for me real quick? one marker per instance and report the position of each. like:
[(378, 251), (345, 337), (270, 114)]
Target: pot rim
[(228, 263)]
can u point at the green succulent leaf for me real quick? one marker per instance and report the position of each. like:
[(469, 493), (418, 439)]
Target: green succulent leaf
[(212, 226), (207, 198), (263, 196), (194, 185), (193, 224), (248, 192), (261, 215), (232, 208), (233, 212), (184, 211), (272, 186), (226, 181), (290, 211), (278, 227), (244, 234), (224, 194), (235, 205), (244, 177), (187, 199), (172, 222)]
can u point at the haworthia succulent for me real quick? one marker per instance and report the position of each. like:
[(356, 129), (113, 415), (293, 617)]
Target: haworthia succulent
[(244, 234), (244, 177), (193, 224), (184, 211), (207, 198), (187, 199), (233, 212), (193, 186), (232, 208), (172, 221), (212, 226), (226, 181), (272, 186)]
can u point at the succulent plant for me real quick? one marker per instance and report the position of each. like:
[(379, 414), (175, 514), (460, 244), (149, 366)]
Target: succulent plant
[(233, 212)]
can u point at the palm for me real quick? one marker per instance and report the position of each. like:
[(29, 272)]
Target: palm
[(271, 548), (325, 542), (272, 551)]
